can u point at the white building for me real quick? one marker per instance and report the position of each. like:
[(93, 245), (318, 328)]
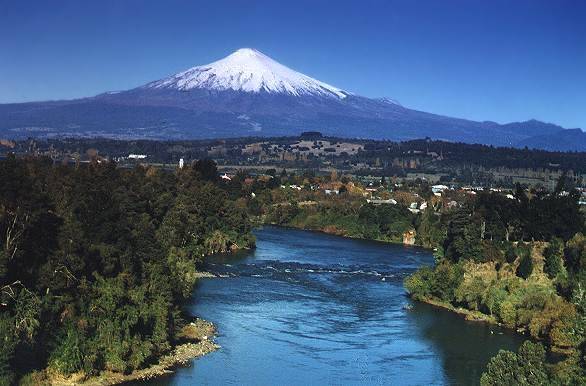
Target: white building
[(439, 188), (390, 201)]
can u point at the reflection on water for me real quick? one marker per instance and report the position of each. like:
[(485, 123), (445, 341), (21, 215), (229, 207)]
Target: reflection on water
[(307, 308)]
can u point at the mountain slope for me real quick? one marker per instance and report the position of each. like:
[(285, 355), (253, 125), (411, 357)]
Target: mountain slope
[(248, 93), (564, 140)]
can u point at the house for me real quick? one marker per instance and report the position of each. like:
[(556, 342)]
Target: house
[(439, 188), (136, 156), (413, 208), (390, 201)]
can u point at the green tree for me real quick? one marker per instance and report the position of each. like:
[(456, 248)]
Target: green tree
[(463, 238), (206, 170), (510, 254), (525, 267), (525, 368), (553, 254), (95, 261), (471, 293), (503, 369), (418, 285), (446, 279)]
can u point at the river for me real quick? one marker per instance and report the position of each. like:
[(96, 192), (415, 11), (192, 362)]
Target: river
[(306, 308)]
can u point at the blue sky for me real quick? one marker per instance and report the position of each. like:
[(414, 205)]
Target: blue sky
[(484, 60)]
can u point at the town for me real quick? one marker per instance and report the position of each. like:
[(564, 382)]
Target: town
[(376, 170)]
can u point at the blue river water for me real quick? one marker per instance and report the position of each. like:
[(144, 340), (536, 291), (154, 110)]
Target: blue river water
[(306, 308)]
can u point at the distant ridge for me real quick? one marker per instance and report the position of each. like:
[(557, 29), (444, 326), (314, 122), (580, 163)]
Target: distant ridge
[(248, 93)]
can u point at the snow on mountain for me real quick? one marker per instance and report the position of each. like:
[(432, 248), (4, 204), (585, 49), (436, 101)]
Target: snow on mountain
[(248, 93), (248, 70)]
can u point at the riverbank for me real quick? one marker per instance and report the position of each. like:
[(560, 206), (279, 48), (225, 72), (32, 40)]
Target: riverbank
[(335, 231), (197, 340), (288, 311), (469, 315)]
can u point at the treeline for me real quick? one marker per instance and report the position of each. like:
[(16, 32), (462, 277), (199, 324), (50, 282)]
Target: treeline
[(345, 214), (157, 151), (493, 219), (96, 261), (522, 263), (351, 219), (456, 155)]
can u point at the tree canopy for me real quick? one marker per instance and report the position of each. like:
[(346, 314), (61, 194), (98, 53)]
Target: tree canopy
[(95, 261)]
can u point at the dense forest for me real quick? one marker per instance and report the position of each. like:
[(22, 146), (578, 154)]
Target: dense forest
[(345, 218), (96, 261)]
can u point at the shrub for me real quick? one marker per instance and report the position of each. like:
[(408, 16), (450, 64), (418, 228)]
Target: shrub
[(553, 258), (33, 379), (67, 358), (447, 278), (494, 298), (508, 313), (491, 252), (471, 293), (525, 267), (418, 285), (510, 255)]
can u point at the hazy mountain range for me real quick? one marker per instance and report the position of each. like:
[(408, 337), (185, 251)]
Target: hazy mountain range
[(248, 93)]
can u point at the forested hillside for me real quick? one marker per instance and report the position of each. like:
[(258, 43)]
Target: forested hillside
[(95, 261), (519, 263)]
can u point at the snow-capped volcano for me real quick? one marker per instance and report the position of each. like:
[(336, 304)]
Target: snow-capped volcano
[(248, 93), (248, 70)]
